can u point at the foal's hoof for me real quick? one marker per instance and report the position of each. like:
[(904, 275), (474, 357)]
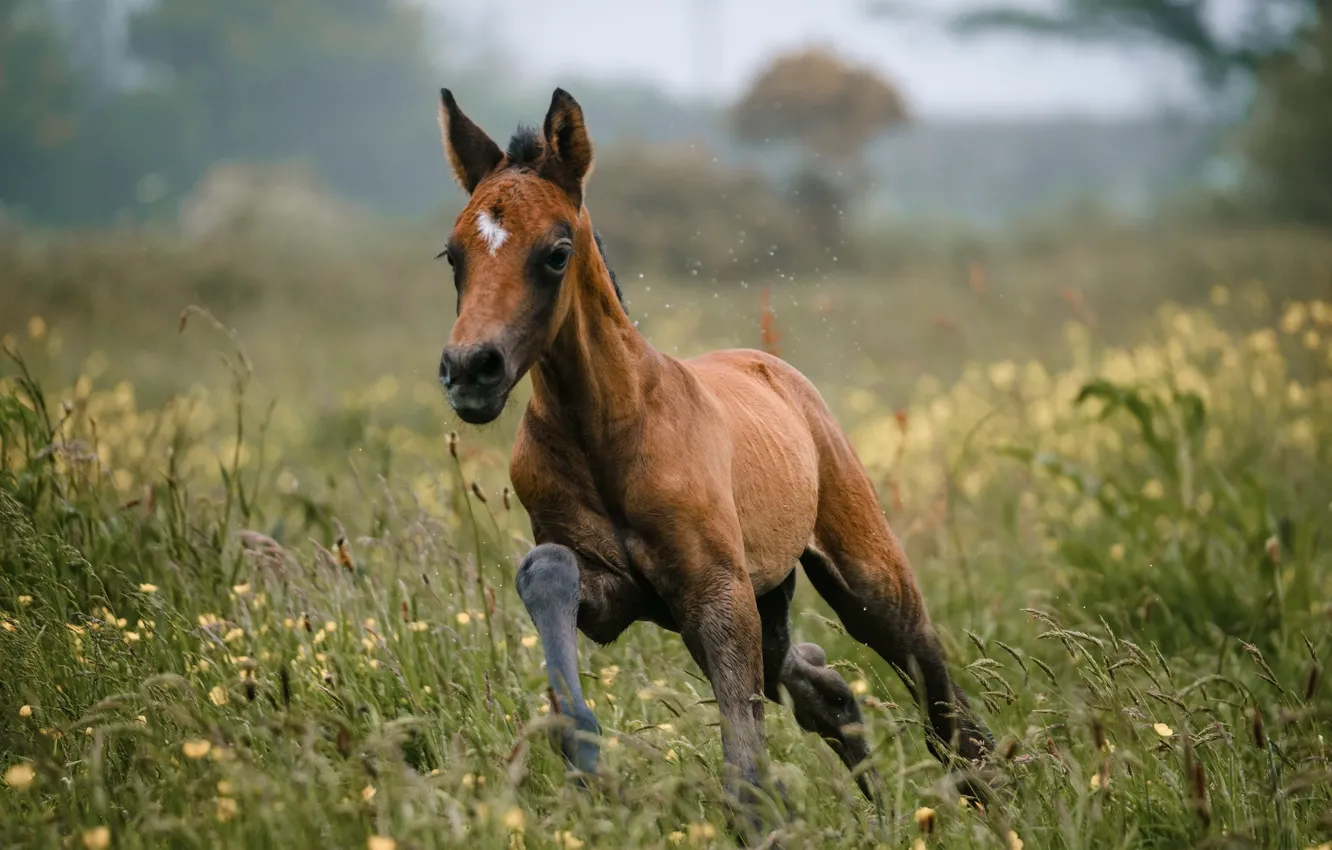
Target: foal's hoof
[(976, 783), (755, 819)]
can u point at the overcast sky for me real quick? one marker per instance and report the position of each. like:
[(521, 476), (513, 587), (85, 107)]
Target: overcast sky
[(942, 76)]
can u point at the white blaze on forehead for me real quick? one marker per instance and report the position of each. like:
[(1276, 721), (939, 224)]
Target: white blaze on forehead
[(491, 232)]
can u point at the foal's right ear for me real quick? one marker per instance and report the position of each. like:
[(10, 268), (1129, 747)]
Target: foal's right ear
[(471, 153)]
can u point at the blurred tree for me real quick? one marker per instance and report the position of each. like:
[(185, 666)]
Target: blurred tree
[(1284, 47), (1290, 138), (832, 110), (342, 84), (38, 109), (1195, 28)]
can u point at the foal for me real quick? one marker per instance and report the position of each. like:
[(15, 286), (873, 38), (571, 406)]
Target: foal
[(682, 492)]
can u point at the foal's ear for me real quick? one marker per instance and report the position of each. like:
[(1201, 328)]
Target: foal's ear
[(471, 153), (569, 149)]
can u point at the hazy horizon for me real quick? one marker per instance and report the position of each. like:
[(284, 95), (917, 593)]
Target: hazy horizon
[(664, 44)]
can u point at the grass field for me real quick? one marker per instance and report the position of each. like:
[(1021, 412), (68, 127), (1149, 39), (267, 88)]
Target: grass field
[(1117, 507)]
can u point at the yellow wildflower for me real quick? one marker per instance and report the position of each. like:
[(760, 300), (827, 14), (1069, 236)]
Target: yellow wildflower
[(218, 695), (227, 807), (567, 840), (25, 711), (25, 600), (464, 618), (860, 686), (141, 720), (8, 626), (36, 327), (97, 838), (530, 641), (676, 837), (196, 749), (1153, 489), (20, 776), (242, 589), (233, 635), (147, 588), (514, 820), (419, 626), (368, 793), (381, 842), (700, 832), (223, 787), (1294, 317), (1095, 781), (1014, 843), (925, 819), (1163, 730), (1117, 552)]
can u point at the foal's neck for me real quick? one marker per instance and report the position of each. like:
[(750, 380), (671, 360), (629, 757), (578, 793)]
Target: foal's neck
[(595, 374)]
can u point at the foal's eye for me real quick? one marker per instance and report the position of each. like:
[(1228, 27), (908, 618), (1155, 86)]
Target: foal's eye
[(559, 258)]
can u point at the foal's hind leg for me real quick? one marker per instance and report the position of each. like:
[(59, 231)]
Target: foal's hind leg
[(820, 699), (876, 597), (559, 597)]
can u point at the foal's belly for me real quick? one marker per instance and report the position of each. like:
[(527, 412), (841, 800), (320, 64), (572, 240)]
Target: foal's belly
[(774, 464)]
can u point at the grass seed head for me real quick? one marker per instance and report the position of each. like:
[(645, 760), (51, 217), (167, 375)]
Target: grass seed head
[(1258, 730)]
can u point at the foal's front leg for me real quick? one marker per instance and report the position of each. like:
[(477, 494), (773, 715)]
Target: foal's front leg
[(549, 585), (721, 628)]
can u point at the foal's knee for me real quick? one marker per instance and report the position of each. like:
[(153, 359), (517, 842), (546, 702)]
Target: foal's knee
[(548, 579)]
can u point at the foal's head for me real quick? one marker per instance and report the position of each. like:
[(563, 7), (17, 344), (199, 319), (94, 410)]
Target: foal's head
[(522, 233)]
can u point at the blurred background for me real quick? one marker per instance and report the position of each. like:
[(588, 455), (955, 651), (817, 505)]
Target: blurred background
[(876, 189)]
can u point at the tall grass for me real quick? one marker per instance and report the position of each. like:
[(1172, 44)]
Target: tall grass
[(220, 631)]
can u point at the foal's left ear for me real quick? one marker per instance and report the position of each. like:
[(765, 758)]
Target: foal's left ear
[(472, 154), (568, 147)]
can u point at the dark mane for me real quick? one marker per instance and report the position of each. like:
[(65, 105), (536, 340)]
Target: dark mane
[(615, 283), (525, 149)]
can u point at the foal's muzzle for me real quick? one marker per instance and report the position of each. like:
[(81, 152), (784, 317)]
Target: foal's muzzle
[(476, 378)]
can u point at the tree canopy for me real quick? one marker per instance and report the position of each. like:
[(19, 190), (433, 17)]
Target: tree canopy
[(345, 87), (1195, 28), (819, 100)]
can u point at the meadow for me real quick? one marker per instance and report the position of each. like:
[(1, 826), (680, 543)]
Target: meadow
[(256, 579)]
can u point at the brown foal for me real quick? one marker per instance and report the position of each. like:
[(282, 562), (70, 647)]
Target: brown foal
[(682, 492)]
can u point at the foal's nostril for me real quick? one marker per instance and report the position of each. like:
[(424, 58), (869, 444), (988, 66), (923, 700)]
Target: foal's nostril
[(444, 371), (487, 366)]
